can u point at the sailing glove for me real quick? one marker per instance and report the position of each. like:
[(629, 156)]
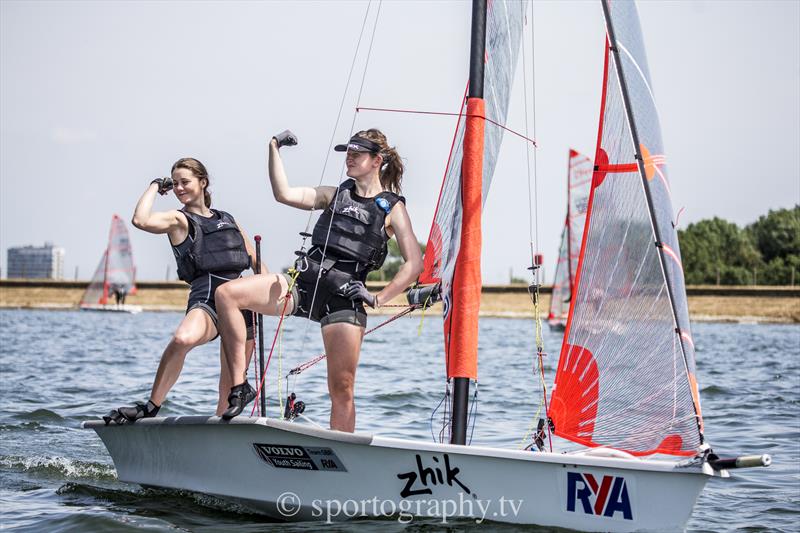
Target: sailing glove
[(286, 138), (164, 185), (356, 290), (424, 297)]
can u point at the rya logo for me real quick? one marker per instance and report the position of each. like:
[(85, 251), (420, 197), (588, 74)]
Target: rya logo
[(604, 498)]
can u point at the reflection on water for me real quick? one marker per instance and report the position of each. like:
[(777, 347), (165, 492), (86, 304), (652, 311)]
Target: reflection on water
[(61, 368)]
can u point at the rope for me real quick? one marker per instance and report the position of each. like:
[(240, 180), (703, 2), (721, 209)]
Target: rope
[(311, 362), (278, 331), (448, 114), (473, 416), (533, 223), (327, 156)]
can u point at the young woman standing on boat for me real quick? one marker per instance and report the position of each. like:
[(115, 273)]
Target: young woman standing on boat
[(349, 240), (210, 249)]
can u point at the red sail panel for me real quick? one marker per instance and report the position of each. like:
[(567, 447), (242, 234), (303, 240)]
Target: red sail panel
[(461, 324), (625, 376)]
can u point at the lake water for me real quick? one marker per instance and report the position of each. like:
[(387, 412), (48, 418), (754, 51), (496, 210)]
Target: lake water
[(61, 368)]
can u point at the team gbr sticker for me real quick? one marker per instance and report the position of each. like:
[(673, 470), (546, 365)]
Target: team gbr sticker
[(299, 457), (599, 495)]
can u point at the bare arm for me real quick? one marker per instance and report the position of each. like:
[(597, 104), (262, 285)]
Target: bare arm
[(171, 222), (400, 224), (300, 197)]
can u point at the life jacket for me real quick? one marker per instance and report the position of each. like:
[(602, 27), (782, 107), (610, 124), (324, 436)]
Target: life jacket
[(357, 228), (214, 244)]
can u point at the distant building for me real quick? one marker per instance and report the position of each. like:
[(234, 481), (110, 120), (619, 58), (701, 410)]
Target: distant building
[(36, 262)]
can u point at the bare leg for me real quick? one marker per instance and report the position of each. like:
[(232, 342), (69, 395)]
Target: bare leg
[(263, 294), (343, 346), (195, 329)]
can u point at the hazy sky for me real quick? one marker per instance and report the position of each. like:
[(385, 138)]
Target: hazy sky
[(98, 98)]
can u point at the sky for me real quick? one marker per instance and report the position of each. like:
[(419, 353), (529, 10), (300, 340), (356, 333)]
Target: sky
[(99, 98)]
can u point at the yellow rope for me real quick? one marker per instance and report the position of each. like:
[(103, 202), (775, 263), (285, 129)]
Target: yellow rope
[(422, 315), (539, 350), (293, 274)]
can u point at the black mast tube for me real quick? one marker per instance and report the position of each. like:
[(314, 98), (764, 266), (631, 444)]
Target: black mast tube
[(260, 322), (477, 55)]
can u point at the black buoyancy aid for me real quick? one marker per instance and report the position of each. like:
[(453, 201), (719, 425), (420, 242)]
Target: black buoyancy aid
[(214, 244), (357, 228)]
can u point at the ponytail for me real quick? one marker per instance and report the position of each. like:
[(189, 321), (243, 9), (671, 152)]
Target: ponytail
[(391, 172)]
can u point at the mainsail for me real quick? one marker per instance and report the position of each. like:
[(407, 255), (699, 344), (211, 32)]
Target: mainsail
[(579, 179), (503, 35), (626, 373), (116, 269)]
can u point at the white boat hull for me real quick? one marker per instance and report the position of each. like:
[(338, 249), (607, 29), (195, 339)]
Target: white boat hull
[(297, 472), (112, 308)]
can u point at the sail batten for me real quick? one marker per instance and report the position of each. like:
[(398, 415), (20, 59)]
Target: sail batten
[(626, 375)]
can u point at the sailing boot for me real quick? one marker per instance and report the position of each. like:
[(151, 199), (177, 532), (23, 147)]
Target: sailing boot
[(129, 415), (240, 396)]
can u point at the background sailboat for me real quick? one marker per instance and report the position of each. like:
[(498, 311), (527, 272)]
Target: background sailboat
[(114, 278), (579, 179)]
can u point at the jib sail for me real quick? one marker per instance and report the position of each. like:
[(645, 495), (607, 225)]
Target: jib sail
[(626, 373)]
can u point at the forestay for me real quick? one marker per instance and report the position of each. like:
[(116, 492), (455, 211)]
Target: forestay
[(503, 34), (626, 374)]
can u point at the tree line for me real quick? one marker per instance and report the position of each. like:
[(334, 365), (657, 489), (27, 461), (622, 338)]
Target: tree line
[(714, 252), (766, 252)]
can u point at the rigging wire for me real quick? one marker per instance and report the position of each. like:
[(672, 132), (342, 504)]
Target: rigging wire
[(533, 220), (306, 329)]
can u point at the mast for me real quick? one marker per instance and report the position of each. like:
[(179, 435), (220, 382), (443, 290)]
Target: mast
[(640, 162), (462, 365)]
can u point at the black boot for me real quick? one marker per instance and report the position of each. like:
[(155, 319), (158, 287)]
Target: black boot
[(240, 396), (129, 415)]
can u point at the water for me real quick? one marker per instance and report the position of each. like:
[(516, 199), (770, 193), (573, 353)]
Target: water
[(61, 368)]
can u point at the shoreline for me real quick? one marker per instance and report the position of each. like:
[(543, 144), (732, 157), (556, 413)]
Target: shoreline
[(761, 305)]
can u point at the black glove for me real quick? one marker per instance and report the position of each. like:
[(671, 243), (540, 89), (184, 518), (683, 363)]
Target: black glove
[(286, 138), (424, 297), (356, 290), (164, 185)]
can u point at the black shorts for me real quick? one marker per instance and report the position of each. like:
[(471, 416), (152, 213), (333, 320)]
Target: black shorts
[(201, 295), (329, 305)]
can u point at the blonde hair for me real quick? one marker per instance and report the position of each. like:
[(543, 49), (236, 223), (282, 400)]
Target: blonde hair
[(391, 173), (199, 170)]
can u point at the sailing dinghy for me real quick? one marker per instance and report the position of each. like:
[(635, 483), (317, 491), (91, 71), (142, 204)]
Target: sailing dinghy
[(625, 386), (579, 180), (114, 275)]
